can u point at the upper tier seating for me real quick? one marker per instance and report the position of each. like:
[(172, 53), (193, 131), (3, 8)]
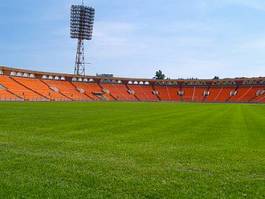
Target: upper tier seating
[(41, 88), (19, 90), (119, 91), (143, 92), (67, 89)]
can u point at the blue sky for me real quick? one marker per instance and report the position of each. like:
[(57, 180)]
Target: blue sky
[(134, 38)]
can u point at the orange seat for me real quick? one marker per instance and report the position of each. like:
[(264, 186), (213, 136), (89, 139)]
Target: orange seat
[(41, 88), (188, 93), (119, 92), (198, 95), (143, 92), (67, 89), (7, 96), (224, 94), (20, 90), (91, 89)]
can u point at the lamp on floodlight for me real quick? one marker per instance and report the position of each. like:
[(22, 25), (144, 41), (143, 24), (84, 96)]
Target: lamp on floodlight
[(81, 28)]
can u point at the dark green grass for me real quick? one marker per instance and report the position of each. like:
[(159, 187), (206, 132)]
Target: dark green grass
[(132, 150)]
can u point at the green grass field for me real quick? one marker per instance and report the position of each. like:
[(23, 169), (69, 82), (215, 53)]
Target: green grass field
[(132, 150)]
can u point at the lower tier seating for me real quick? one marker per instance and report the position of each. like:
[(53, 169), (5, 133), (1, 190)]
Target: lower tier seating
[(225, 94), (119, 92), (199, 94), (168, 93), (92, 90), (19, 90), (67, 89), (41, 88), (188, 93), (144, 92), (29, 88), (7, 96)]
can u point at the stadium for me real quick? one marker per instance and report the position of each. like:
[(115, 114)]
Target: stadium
[(74, 135)]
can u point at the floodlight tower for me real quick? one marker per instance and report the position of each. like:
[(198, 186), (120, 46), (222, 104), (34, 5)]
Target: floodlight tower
[(81, 28)]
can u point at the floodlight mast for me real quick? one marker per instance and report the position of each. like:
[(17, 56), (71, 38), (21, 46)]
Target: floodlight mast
[(82, 22)]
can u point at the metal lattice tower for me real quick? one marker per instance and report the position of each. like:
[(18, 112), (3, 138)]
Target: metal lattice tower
[(82, 22)]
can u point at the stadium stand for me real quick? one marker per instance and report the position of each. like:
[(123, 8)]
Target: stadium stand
[(163, 93), (66, 89), (144, 92), (188, 94), (240, 92), (225, 94), (40, 88), (5, 95), (259, 95), (25, 85), (19, 90), (199, 94), (214, 93), (120, 92), (92, 90)]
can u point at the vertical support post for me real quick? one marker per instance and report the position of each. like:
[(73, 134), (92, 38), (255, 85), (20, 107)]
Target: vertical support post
[(80, 58)]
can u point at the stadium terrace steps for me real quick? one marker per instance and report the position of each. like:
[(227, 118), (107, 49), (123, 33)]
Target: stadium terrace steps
[(22, 85), (249, 95), (156, 93), (163, 93), (173, 93), (132, 92), (40, 88), (119, 92), (198, 95), (107, 94), (168, 93), (91, 89), (144, 92), (81, 90), (224, 94), (241, 93), (259, 96), (32, 82), (188, 93), (67, 89), (20, 90), (6, 95)]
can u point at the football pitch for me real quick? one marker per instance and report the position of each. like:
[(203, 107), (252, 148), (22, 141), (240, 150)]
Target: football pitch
[(132, 150)]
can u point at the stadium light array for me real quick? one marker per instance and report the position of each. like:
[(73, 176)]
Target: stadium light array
[(81, 28)]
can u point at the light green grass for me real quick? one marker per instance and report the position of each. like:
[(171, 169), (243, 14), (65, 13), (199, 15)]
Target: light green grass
[(132, 150)]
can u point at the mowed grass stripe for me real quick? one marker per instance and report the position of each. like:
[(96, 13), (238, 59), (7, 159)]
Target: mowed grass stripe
[(131, 150)]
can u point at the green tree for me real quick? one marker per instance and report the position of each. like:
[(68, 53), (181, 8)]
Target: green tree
[(159, 75)]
